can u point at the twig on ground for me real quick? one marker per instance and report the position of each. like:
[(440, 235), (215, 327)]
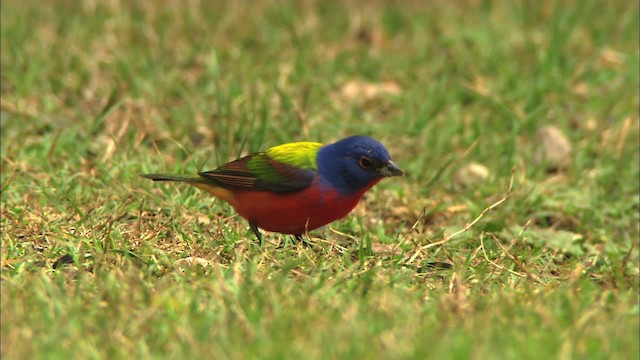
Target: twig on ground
[(413, 227), (496, 264), (515, 261), (468, 225)]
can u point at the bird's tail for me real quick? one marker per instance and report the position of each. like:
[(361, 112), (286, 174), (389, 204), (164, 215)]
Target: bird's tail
[(197, 181), (173, 177)]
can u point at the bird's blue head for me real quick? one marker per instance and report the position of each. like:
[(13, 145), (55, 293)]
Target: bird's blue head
[(355, 164)]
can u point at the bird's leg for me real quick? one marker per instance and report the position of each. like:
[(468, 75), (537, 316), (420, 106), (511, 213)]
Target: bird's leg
[(256, 231)]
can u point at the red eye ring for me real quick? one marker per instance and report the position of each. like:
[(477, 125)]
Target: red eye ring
[(365, 162)]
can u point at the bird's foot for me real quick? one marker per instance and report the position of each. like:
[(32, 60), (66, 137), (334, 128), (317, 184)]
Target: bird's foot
[(298, 239), (301, 240)]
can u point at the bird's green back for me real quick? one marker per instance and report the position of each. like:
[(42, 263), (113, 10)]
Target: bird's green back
[(282, 168), (299, 154)]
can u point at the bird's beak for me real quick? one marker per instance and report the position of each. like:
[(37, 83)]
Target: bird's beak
[(390, 169)]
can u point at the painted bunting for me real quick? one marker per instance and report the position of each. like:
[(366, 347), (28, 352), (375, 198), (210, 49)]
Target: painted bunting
[(297, 187)]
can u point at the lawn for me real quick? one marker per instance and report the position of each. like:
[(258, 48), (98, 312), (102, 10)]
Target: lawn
[(513, 235)]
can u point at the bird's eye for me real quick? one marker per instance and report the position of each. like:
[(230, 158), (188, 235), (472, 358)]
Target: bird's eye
[(365, 162)]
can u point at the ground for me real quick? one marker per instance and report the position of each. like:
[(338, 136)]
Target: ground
[(514, 233)]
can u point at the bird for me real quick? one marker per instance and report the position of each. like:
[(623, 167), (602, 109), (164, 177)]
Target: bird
[(296, 187)]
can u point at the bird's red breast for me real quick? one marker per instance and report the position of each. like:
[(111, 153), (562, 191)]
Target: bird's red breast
[(295, 213)]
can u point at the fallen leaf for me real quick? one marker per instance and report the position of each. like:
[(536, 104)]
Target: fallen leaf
[(363, 91), (566, 241), (471, 175), (554, 149), (191, 261)]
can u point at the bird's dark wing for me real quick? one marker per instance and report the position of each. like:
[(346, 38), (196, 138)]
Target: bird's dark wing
[(260, 172)]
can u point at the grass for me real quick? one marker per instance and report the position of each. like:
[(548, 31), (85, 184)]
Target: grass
[(95, 93)]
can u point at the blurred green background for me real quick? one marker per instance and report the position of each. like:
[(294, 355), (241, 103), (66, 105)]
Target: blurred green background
[(463, 94)]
